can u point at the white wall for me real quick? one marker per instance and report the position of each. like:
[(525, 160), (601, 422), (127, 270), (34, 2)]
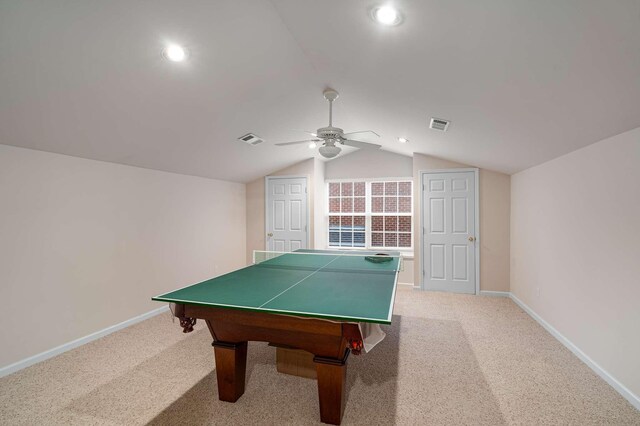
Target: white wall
[(369, 163), (85, 244), (319, 222), (575, 250)]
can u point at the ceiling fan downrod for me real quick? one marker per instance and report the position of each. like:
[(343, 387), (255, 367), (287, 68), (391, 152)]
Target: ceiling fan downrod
[(330, 95), (330, 113)]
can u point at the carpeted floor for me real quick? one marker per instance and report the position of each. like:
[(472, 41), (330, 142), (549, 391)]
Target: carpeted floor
[(447, 359)]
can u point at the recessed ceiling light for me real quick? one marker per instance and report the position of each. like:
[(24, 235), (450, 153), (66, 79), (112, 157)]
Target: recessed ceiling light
[(175, 53), (312, 145), (403, 140), (386, 15)]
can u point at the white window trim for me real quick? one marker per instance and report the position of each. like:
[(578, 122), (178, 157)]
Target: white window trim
[(367, 213)]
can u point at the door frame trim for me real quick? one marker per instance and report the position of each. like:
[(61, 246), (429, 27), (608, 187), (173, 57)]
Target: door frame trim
[(476, 246), (266, 204)]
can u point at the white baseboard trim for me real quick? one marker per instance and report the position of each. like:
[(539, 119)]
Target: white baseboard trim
[(27, 362), (619, 387), (409, 284), (494, 293)]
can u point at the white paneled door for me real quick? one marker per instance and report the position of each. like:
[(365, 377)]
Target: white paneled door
[(286, 213), (449, 231)]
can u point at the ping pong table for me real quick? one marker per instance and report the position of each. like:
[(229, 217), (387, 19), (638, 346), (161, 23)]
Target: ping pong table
[(309, 299)]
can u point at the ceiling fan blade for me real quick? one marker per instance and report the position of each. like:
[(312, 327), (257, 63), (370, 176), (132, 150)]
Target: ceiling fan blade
[(362, 131), (360, 144), (297, 142), (305, 131)]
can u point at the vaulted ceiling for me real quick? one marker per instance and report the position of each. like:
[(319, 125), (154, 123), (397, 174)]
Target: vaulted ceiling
[(522, 81)]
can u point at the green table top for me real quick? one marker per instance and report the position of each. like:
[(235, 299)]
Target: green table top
[(338, 285)]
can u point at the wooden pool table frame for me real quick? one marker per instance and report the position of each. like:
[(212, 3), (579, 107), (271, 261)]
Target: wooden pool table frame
[(329, 341)]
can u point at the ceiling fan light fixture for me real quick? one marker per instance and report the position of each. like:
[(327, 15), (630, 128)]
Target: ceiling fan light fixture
[(386, 15), (329, 151), (403, 140)]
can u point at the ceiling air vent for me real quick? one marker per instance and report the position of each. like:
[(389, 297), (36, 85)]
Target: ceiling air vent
[(439, 124), (251, 139)]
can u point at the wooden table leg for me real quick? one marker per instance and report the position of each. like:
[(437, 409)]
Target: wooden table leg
[(331, 387), (231, 366)]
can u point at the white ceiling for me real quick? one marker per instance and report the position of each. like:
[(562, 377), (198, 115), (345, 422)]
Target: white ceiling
[(522, 81)]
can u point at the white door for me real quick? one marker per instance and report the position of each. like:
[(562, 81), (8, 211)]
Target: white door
[(449, 234), (286, 213)]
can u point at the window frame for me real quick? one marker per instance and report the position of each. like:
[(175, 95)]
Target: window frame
[(368, 212)]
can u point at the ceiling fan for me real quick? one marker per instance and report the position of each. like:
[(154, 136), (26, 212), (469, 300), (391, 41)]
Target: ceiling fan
[(332, 137)]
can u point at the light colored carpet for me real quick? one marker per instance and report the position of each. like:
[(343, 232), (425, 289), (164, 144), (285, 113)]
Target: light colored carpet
[(447, 359)]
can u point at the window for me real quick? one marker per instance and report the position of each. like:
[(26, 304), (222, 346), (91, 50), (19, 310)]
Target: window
[(374, 214), (347, 222), (391, 214)]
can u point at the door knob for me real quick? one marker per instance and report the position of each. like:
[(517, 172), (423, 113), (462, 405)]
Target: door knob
[(472, 239), (270, 234)]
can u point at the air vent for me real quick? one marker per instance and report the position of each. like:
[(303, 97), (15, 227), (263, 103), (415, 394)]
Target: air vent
[(439, 124), (251, 139)]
